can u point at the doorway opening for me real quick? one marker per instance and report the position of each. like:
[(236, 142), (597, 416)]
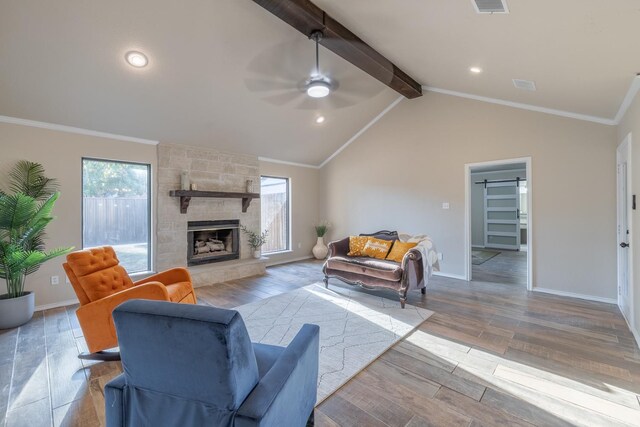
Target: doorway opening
[(498, 222)]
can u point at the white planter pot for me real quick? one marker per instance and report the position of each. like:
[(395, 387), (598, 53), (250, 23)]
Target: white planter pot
[(320, 250), (257, 254), (16, 311)]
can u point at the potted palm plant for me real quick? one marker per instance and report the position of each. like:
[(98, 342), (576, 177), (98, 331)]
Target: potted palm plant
[(256, 240), (25, 211)]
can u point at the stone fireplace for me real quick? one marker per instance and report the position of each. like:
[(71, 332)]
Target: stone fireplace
[(212, 241), (210, 170)]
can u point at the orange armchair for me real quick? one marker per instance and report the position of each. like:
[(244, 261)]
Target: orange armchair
[(101, 284)]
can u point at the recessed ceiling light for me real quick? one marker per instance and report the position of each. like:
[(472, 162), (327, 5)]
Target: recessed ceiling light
[(320, 119), (475, 70), (136, 59)]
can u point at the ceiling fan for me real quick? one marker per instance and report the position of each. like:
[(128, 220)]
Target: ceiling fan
[(278, 71), (283, 77), (318, 86), (307, 17)]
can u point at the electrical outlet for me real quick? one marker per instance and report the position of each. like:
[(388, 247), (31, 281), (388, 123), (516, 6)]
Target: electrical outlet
[(299, 245), (445, 205), (55, 280), (440, 256)]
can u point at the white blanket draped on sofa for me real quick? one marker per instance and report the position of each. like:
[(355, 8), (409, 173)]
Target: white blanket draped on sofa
[(427, 250)]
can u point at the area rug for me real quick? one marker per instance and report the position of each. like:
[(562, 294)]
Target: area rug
[(355, 327), (481, 256)]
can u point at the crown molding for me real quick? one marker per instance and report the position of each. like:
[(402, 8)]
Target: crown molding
[(519, 105), (628, 99), (71, 129), (284, 162), (634, 88), (363, 130)]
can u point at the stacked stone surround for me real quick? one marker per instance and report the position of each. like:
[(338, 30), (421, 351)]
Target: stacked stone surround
[(211, 170)]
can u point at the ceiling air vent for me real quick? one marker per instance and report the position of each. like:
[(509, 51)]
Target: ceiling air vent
[(490, 6), (524, 84)]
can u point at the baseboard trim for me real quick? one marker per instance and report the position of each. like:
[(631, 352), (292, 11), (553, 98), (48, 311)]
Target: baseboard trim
[(449, 275), (478, 246), (632, 328), (56, 304), (574, 295), (288, 261)]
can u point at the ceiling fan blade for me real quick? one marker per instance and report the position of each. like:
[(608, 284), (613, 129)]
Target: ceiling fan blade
[(283, 98), (289, 61), (339, 100), (266, 85), (333, 101), (309, 103), (359, 87)]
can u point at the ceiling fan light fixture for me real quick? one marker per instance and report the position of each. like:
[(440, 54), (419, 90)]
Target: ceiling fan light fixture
[(318, 89)]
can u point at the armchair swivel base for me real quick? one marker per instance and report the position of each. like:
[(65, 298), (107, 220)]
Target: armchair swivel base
[(103, 356)]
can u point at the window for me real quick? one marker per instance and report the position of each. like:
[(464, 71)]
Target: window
[(274, 202), (116, 210)]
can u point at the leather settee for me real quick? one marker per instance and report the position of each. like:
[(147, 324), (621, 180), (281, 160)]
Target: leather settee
[(372, 273)]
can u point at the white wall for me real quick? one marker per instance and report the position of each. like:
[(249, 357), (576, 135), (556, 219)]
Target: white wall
[(398, 173), (304, 208), (61, 155), (477, 200), (631, 124)]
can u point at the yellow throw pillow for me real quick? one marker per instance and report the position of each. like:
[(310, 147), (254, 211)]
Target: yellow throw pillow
[(356, 245), (377, 248), (399, 250)]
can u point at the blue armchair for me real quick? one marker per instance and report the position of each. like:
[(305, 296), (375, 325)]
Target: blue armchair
[(189, 365)]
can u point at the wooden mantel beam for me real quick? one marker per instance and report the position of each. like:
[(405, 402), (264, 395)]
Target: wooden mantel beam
[(306, 17), (186, 195)]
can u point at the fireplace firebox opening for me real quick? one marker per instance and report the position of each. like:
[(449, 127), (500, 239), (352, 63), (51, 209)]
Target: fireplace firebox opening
[(212, 241)]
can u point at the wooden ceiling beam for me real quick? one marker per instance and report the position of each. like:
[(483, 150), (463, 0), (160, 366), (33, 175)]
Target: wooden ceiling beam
[(306, 17)]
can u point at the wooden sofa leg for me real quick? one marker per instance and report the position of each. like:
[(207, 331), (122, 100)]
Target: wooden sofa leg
[(326, 282), (402, 302)]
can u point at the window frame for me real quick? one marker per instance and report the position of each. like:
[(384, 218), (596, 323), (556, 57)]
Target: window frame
[(150, 240), (288, 213)]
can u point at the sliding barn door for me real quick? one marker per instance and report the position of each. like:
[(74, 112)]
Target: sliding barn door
[(502, 215)]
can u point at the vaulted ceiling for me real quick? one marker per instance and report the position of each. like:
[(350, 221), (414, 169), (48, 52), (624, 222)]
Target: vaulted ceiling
[(225, 73), (582, 54)]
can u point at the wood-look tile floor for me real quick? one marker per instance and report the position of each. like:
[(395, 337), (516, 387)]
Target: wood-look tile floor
[(508, 267), (490, 355)]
